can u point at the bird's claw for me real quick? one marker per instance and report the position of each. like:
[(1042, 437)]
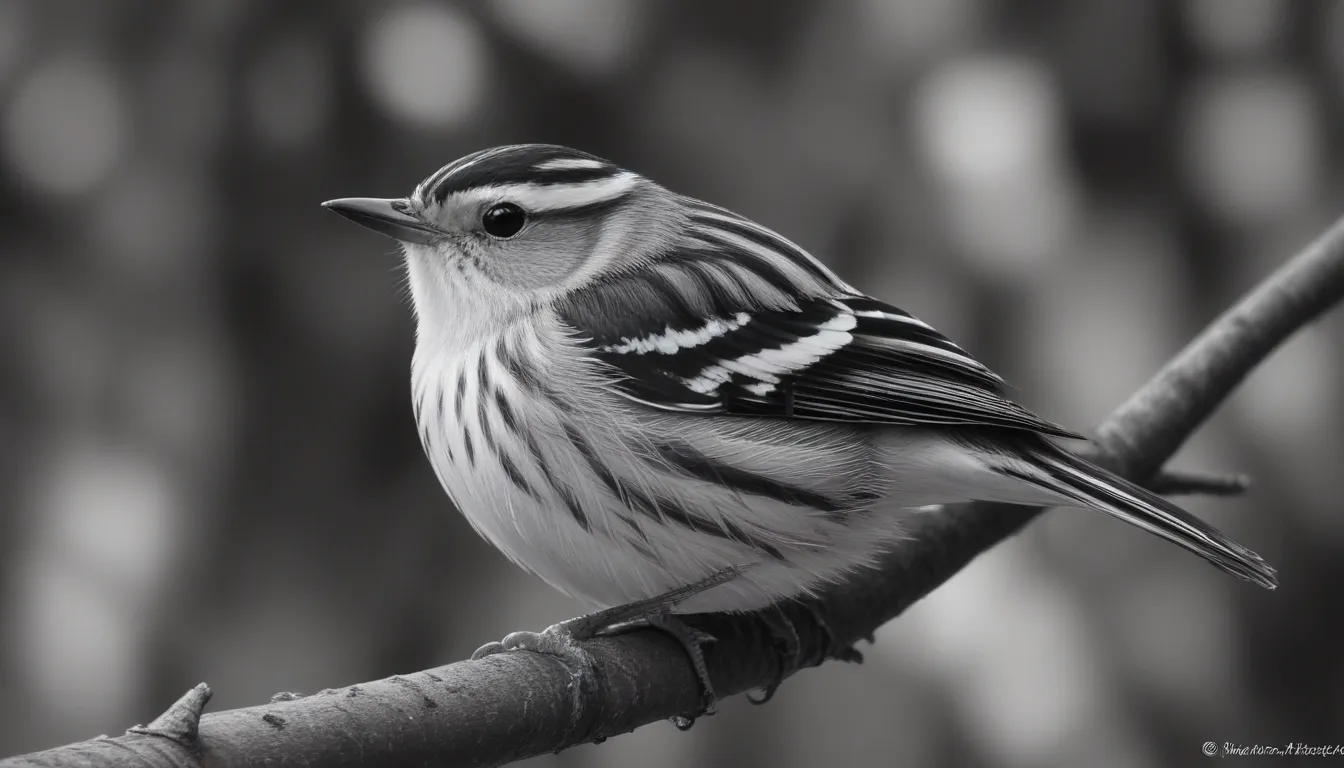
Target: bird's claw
[(849, 654), (557, 640), (564, 641), (789, 646), (693, 641), (489, 649)]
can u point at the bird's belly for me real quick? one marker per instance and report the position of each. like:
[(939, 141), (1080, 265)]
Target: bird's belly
[(538, 535), (503, 515), (543, 492), (600, 569)]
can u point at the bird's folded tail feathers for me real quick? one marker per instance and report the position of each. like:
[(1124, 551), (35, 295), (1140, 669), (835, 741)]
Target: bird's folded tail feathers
[(1083, 482)]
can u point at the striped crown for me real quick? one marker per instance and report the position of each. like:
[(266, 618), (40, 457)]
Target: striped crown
[(538, 165)]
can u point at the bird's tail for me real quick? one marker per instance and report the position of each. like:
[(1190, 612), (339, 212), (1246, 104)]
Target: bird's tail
[(1076, 479)]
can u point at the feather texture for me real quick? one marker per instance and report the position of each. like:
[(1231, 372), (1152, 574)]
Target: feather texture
[(641, 389), (682, 342)]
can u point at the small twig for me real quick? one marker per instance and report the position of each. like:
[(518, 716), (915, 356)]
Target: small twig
[(515, 705), (1174, 482), (181, 722), (1193, 384)]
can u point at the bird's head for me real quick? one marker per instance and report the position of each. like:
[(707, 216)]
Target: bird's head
[(517, 224)]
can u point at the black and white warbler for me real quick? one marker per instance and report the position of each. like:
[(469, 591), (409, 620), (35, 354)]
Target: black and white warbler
[(659, 406)]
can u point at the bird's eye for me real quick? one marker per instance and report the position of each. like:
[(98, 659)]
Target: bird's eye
[(503, 220)]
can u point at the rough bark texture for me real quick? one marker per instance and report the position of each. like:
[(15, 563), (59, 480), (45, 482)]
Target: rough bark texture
[(515, 705)]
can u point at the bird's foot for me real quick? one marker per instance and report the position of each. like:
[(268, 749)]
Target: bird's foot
[(693, 641), (788, 645), (850, 654), (565, 640)]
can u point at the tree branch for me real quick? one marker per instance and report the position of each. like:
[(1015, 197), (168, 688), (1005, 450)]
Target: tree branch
[(514, 705)]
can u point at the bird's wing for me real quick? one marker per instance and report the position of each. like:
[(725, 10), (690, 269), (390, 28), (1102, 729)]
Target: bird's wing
[(681, 339)]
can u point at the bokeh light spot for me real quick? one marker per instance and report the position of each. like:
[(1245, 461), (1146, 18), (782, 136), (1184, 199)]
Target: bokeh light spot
[(1236, 27), (987, 121), (288, 93), (66, 127), (14, 35), (1331, 39), (590, 36), (152, 221), (111, 509), (76, 649), (1253, 145), (989, 128), (911, 28), (425, 64)]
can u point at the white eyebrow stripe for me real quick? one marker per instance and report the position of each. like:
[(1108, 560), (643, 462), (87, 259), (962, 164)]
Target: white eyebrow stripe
[(554, 197), (571, 164)]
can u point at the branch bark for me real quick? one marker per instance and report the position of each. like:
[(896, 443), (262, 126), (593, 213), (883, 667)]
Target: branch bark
[(515, 705)]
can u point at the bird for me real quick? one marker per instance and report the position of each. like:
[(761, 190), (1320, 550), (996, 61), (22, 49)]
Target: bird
[(661, 407)]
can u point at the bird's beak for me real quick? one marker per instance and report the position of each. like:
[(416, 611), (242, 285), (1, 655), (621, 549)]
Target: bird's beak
[(386, 217)]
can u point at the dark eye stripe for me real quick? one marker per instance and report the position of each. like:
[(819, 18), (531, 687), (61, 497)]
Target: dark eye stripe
[(589, 211)]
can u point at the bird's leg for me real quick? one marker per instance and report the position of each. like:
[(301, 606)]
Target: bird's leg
[(565, 639)]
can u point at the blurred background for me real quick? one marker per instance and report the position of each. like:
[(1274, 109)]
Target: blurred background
[(208, 464)]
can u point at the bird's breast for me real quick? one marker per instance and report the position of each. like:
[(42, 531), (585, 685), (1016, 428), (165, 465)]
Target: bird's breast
[(489, 422), (471, 425), (609, 501)]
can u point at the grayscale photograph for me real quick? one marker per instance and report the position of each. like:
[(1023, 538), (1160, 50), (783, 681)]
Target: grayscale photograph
[(671, 383)]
